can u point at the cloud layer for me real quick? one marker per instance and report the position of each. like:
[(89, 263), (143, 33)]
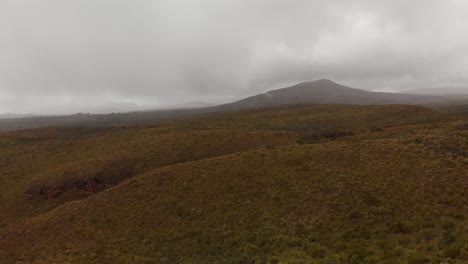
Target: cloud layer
[(66, 55)]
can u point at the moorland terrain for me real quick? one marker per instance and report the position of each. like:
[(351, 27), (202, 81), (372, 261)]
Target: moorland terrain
[(294, 183)]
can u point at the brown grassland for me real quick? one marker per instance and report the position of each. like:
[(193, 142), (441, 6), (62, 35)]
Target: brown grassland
[(288, 184)]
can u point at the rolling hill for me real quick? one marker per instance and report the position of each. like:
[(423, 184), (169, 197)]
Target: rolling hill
[(283, 184)]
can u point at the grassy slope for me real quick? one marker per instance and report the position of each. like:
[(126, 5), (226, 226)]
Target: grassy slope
[(72, 163), (393, 191), (43, 174)]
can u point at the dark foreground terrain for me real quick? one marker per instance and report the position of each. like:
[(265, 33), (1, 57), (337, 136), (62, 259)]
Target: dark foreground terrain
[(286, 184)]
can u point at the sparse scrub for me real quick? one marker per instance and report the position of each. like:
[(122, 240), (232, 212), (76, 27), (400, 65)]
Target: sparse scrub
[(380, 184)]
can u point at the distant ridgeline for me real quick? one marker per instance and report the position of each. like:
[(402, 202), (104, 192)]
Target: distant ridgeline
[(314, 92)]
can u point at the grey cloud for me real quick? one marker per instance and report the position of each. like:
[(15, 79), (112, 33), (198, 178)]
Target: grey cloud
[(57, 53)]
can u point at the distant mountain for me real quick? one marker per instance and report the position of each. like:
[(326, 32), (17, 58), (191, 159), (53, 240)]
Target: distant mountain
[(326, 92), (313, 92), (189, 105), (440, 91), (105, 108), (15, 115)]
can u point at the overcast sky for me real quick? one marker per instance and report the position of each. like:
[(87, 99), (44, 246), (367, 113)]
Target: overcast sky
[(68, 55)]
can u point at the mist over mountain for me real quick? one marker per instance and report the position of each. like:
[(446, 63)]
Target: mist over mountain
[(15, 115), (67, 56), (189, 105), (439, 91)]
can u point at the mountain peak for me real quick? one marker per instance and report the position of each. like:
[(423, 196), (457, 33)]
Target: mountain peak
[(321, 82), (324, 91), (325, 81)]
